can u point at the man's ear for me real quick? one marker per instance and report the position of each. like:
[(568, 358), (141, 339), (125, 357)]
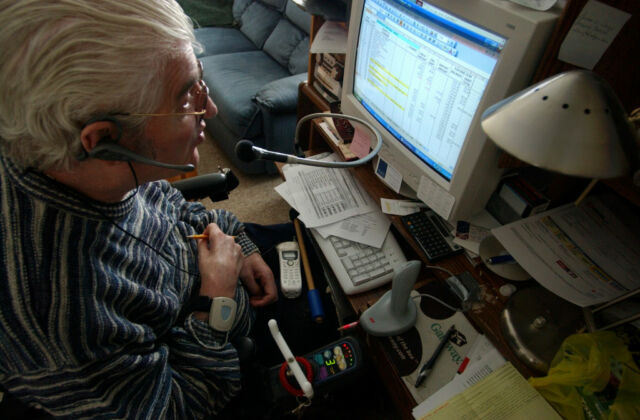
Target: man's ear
[(97, 131)]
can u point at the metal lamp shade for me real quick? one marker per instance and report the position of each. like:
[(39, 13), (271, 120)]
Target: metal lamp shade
[(571, 123)]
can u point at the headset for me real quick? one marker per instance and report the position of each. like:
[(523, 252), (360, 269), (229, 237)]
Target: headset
[(109, 149)]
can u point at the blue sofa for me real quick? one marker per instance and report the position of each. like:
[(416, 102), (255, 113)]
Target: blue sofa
[(253, 70)]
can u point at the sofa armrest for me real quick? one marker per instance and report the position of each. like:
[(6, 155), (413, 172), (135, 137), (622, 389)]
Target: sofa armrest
[(280, 95)]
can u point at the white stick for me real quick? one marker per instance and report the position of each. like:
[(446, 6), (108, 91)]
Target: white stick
[(290, 359)]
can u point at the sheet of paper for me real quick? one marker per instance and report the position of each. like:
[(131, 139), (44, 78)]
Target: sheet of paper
[(283, 190), (446, 366), (389, 175), (484, 359), (400, 207), (329, 132), (369, 229), (361, 143), (504, 394), (436, 197), (587, 254), (326, 195), (591, 34), (331, 38), (536, 4)]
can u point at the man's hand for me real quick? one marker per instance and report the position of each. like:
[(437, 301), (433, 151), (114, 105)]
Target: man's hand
[(257, 277), (220, 260)]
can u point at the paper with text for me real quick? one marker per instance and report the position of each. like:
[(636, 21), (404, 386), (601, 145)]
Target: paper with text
[(326, 195), (592, 32), (369, 229), (585, 254), (331, 38), (504, 394), (484, 359)]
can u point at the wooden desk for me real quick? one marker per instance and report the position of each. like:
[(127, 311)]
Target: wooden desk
[(485, 316)]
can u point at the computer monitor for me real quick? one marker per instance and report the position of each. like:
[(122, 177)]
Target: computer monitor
[(423, 72)]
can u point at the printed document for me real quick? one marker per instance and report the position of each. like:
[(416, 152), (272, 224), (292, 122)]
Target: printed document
[(483, 357), (586, 254), (326, 195), (504, 394), (333, 202), (369, 229)]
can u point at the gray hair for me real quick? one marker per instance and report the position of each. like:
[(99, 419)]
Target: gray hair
[(63, 62)]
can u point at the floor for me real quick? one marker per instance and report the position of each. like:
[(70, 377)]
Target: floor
[(255, 199)]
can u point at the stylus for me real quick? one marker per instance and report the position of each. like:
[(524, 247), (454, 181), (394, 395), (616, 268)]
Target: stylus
[(427, 367)]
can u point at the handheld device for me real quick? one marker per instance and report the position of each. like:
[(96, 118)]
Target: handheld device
[(329, 367), (290, 275)]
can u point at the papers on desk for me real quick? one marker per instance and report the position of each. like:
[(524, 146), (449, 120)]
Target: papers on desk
[(484, 359), (504, 394), (586, 254), (410, 350), (489, 387), (332, 201)]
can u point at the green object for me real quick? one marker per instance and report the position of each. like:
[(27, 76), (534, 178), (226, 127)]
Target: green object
[(593, 376), (208, 12)]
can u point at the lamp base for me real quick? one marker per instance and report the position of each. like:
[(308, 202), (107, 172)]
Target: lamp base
[(535, 322)]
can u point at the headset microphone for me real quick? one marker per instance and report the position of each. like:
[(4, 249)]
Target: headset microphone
[(247, 152), (110, 151)]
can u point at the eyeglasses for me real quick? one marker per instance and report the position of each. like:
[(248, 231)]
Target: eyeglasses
[(196, 104)]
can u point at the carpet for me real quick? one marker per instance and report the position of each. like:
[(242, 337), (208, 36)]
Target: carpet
[(255, 199)]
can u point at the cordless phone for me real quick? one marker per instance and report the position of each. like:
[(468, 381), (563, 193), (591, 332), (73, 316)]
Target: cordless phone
[(290, 275)]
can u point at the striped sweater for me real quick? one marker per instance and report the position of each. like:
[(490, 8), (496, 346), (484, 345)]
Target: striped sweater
[(94, 319)]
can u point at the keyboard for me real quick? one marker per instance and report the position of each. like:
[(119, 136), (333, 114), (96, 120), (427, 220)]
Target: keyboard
[(360, 267), (432, 234)]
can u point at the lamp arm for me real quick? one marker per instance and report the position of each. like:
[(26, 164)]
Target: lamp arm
[(634, 118)]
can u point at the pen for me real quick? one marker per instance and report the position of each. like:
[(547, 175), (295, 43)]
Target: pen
[(500, 259), (201, 236), (427, 367), (349, 326)]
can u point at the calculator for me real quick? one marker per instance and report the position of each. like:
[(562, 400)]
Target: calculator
[(432, 233)]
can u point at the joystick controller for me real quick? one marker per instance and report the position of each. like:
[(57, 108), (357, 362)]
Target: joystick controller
[(395, 312)]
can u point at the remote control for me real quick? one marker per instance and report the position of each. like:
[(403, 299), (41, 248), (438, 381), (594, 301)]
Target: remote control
[(290, 276)]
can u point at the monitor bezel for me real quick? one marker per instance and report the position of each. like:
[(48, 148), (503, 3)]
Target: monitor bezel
[(526, 33)]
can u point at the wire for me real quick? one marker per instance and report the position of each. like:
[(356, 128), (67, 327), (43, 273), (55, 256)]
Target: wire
[(445, 304), (154, 249), (440, 268), (86, 200)]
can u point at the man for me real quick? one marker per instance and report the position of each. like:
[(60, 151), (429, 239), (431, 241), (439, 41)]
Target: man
[(105, 304)]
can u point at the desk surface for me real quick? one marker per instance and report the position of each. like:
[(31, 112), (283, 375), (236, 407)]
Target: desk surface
[(485, 316)]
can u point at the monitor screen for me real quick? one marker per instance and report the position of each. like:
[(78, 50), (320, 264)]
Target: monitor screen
[(421, 72)]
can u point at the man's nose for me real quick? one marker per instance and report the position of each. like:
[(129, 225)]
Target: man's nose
[(212, 109)]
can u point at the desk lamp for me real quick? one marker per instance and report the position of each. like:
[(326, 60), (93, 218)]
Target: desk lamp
[(574, 124)]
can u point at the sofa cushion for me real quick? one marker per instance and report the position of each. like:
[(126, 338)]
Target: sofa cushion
[(299, 59), (222, 41), (233, 81), (239, 6), (280, 95), (257, 22), (276, 4), (283, 41), (298, 16)]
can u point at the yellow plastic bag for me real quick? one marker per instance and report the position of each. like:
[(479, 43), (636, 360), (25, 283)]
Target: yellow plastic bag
[(592, 376)]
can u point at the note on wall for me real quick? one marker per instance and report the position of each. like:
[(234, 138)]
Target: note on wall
[(591, 34)]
